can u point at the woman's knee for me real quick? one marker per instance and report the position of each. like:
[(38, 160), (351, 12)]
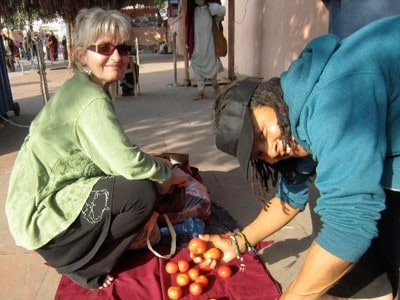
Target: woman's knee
[(138, 196), (133, 205)]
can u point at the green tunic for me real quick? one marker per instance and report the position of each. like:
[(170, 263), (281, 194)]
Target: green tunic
[(74, 141)]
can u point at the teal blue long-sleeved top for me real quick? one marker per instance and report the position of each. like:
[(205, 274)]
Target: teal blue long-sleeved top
[(74, 141), (344, 109)]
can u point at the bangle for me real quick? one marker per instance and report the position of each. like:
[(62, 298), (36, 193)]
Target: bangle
[(238, 254), (236, 244), (246, 242)]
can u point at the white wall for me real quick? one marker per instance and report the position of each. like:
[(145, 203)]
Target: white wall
[(269, 34)]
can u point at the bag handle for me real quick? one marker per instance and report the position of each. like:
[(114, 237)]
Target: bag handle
[(173, 240)]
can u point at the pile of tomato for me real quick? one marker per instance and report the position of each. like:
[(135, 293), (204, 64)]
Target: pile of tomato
[(195, 277)]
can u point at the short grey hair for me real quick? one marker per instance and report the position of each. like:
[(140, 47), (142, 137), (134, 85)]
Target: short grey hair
[(91, 24)]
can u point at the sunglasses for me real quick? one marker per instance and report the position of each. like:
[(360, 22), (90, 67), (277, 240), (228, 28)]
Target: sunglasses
[(108, 49)]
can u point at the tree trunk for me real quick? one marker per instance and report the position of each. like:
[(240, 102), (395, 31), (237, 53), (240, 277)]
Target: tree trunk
[(69, 30)]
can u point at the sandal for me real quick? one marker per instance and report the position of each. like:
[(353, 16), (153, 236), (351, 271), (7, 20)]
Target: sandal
[(215, 87), (200, 96)]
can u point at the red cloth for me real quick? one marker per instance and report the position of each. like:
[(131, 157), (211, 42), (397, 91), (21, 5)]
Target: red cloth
[(143, 276)]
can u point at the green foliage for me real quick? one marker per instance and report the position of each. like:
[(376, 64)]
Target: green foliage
[(15, 13), (19, 19)]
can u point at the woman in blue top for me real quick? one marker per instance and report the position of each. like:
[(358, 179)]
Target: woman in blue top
[(334, 114)]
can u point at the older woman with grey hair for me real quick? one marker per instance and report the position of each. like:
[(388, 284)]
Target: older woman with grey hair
[(80, 191)]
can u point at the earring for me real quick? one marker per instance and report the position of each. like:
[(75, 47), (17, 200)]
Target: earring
[(87, 70)]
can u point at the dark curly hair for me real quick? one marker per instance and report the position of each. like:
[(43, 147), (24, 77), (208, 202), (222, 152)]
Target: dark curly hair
[(264, 176)]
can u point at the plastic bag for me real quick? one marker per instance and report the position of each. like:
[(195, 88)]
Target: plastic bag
[(197, 203), (190, 221), (189, 228)]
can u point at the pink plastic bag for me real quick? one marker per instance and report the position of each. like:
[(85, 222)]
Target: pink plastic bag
[(197, 203)]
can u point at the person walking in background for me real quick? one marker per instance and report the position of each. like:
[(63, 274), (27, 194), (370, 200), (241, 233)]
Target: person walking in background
[(80, 200), (64, 47), (17, 56), (337, 117), (52, 46), (9, 49), (204, 62), (27, 45)]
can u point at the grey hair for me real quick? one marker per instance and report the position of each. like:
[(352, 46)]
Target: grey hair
[(91, 24)]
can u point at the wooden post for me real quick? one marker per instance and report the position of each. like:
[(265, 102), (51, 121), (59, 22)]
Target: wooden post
[(185, 54), (231, 40)]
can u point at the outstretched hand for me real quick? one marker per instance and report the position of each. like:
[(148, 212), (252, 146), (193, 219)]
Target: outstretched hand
[(223, 243), (164, 161), (179, 178)]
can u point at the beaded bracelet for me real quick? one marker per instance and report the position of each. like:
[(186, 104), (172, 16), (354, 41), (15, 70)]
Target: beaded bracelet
[(246, 242), (238, 254)]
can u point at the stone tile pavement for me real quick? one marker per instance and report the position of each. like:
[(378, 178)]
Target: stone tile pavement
[(162, 118)]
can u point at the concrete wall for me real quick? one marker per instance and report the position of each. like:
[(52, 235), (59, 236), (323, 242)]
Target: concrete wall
[(269, 34), (148, 36)]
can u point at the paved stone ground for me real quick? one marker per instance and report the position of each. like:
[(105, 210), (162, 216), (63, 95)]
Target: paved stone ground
[(161, 118)]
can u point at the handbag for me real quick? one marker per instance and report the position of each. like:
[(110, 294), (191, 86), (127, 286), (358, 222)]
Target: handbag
[(173, 202), (220, 43)]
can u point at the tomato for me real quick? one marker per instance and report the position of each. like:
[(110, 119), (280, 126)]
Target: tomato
[(224, 271), (203, 280), (174, 292), (183, 266), (182, 279), (197, 246), (196, 289), (213, 253), (193, 273), (171, 267)]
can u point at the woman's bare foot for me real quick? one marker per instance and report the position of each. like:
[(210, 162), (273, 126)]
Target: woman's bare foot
[(200, 96), (107, 281), (216, 87)]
